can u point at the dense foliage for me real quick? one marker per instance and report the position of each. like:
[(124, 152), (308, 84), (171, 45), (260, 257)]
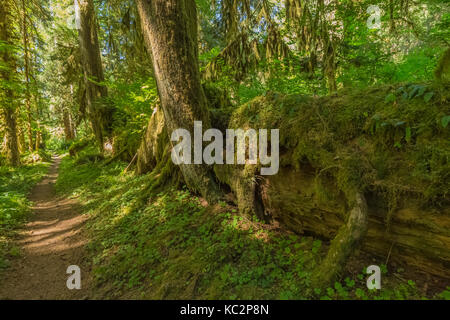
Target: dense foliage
[(358, 89)]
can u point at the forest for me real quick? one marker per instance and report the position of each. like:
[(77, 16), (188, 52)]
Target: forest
[(225, 149)]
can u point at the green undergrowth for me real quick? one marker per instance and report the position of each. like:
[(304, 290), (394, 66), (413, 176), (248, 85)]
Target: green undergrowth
[(15, 184), (164, 244)]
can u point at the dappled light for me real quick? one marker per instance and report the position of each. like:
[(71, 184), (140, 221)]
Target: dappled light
[(224, 150)]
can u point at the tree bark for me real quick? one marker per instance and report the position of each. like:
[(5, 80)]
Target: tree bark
[(391, 16), (99, 116), (27, 76), (21, 139), (68, 129), (38, 115), (12, 146), (7, 98), (154, 142), (329, 59), (330, 68), (170, 33), (38, 136)]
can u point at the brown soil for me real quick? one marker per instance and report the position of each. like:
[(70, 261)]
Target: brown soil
[(50, 242)]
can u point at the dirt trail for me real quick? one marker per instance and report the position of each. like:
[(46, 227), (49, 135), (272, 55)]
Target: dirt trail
[(50, 242)]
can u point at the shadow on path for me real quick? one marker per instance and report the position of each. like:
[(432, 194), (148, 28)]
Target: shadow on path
[(51, 241)]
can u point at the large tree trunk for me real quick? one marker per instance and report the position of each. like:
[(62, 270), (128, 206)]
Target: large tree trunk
[(68, 127), (27, 75), (329, 60), (12, 146), (38, 136), (170, 33), (330, 67), (99, 115), (38, 124), (7, 95), (21, 139)]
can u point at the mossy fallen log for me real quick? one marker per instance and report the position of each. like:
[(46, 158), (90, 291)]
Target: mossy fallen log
[(416, 235), (390, 144)]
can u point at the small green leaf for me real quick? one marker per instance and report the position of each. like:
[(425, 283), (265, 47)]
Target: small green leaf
[(445, 120), (427, 97)]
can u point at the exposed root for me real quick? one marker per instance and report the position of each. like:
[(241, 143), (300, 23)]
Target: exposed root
[(343, 245)]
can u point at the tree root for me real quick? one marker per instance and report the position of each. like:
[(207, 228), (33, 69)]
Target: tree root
[(343, 245)]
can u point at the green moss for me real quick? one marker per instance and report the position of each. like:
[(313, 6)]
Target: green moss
[(79, 145), (388, 139)]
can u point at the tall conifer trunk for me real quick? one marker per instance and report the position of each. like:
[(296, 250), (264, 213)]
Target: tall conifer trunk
[(7, 99), (170, 33), (99, 115), (26, 57)]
